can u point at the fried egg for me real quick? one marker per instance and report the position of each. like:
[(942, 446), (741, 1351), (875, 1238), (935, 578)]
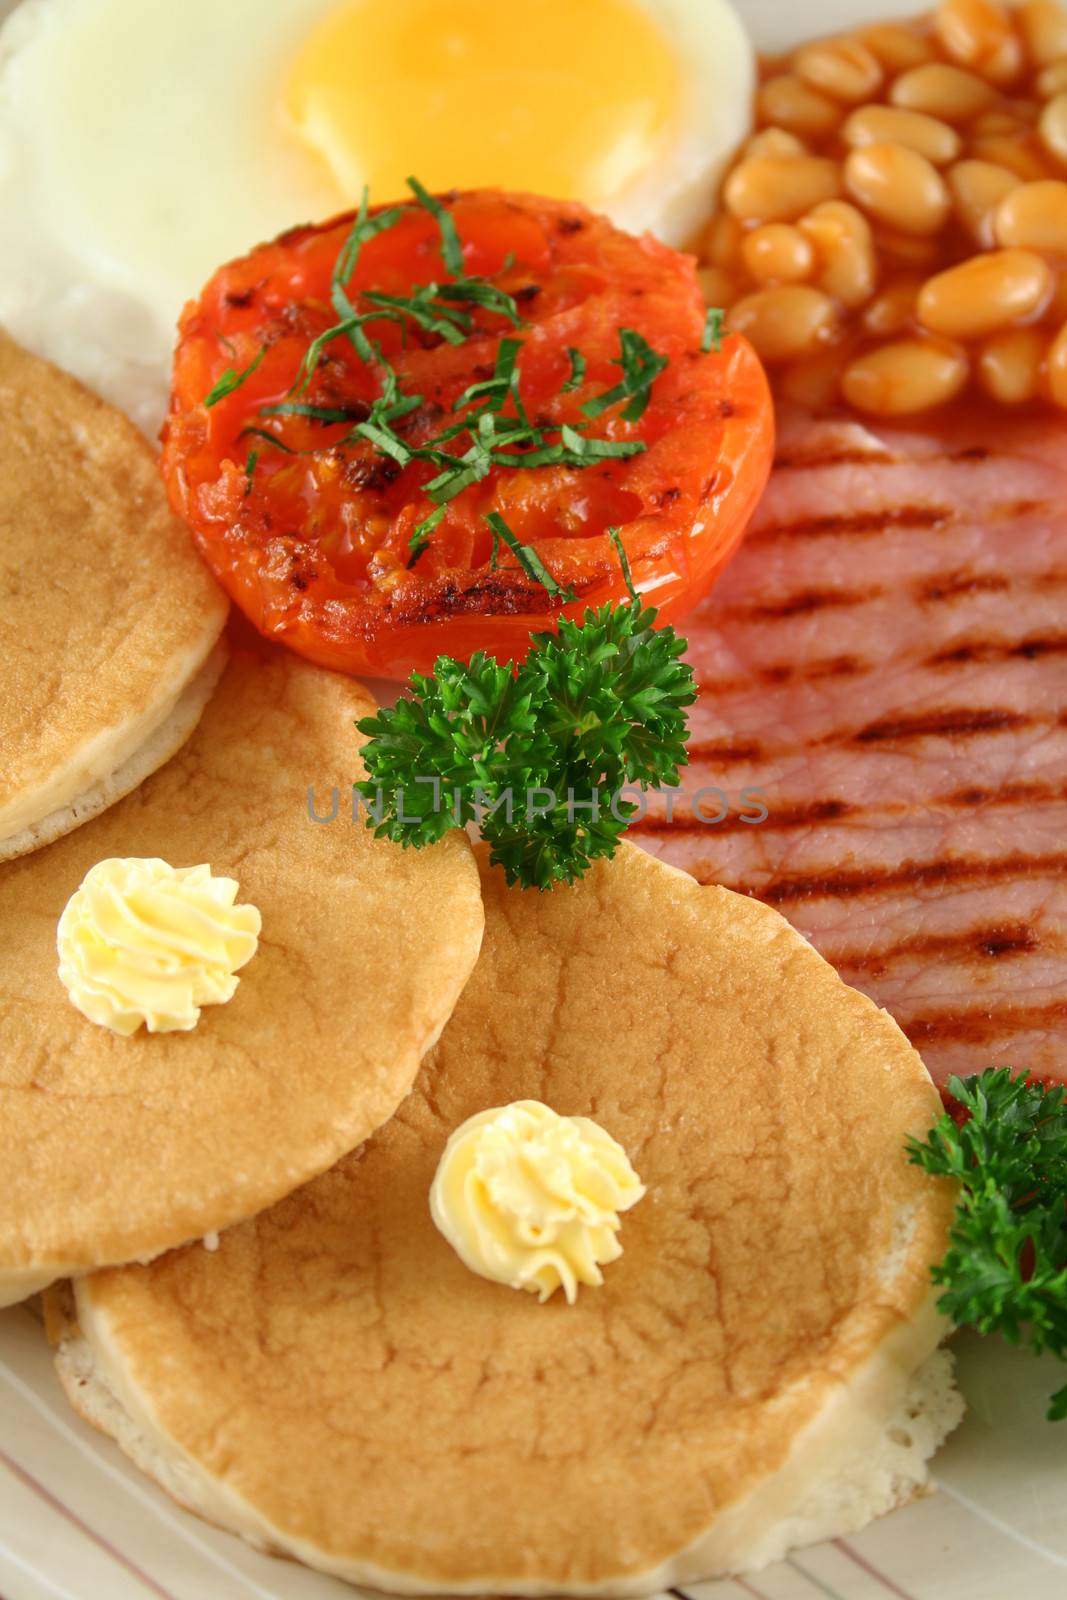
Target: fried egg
[(138, 152)]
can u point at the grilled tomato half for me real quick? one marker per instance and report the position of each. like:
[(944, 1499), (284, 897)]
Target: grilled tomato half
[(408, 431)]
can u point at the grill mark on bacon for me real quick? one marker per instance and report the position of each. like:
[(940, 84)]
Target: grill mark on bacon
[(987, 944), (803, 602), (961, 871), (949, 585), (969, 653), (727, 751), (979, 1027), (806, 460), (951, 722), (806, 815), (1034, 790), (858, 522), (929, 591), (982, 651), (780, 673), (809, 813)]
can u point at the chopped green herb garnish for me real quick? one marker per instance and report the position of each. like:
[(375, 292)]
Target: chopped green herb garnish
[(424, 306), (711, 339), (378, 429), (641, 366), (299, 408), (580, 449), (577, 376), (420, 534), (250, 468), (231, 379), (346, 326), (480, 292), (364, 228), (269, 438), (624, 562), (490, 422), (471, 467), (494, 392), (1006, 1267), (529, 560), (451, 249)]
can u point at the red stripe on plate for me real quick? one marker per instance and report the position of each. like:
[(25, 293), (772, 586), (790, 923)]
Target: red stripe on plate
[(872, 1571), (72, 1517)]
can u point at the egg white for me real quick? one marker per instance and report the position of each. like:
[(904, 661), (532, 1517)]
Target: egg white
[(142, 146)]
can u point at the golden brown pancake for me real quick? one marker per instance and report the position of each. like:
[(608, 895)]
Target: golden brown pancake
[(118, 1148), (335, 1383), (108, 618)]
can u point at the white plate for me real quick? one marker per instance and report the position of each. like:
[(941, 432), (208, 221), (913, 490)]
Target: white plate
[(77, 1522)]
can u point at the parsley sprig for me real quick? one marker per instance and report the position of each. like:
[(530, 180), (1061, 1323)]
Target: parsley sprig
[(1006, 1266), (537, 754)]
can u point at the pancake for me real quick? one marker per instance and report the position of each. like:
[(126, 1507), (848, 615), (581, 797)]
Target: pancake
[(759, 1369), (108, 618), (118, 1148)]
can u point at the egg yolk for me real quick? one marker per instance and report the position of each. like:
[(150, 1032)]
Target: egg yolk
[(570, 98)]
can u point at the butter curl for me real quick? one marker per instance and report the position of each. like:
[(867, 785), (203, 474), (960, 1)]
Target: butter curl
[(531, 1199), (142, 942)]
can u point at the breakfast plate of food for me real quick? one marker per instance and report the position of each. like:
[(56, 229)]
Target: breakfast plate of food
[(533, 1000)]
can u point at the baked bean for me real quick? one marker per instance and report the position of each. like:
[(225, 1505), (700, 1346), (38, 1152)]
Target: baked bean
[(717, 286), (905, 376), (775, 142), (893, 311), (976, 33), (896, 46), (1044, 30), (977, 189), (778, 253), (880, 154), (1005, 65), (1019, 157), (722, 240), (1052, 81), (985, 294), (997, 124), (814, 382), (785, 323), (907, 251), (842, 68), (1053, 127), (1057, 368), (780, 188), (876, 124), (789, 102), (1009, 367), (1057, 306), (944, 91), (898, 186), (844, 247), (1034, 217)]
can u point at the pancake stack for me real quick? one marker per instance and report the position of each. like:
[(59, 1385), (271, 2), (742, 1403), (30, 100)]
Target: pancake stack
[(260, 1309), (119, 1148), (109, 624), (760, 1368)]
